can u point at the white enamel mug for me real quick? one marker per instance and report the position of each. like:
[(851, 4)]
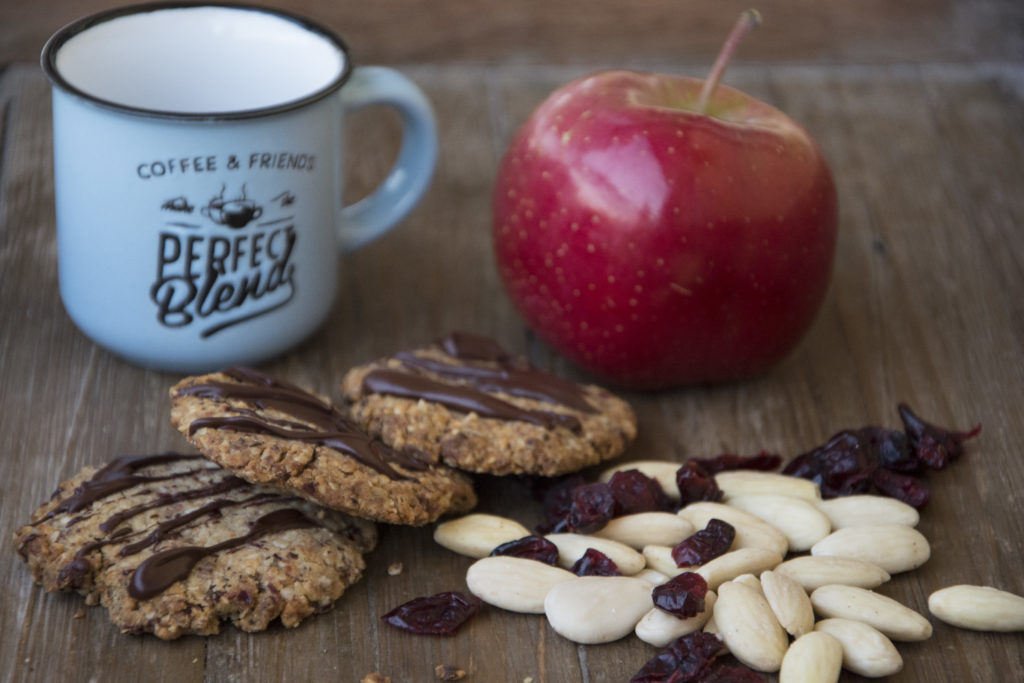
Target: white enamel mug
[(198, 156)]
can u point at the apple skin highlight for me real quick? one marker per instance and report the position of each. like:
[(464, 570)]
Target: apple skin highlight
[(656, 246)]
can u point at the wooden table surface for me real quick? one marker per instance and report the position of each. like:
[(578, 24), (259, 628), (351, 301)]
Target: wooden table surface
[(926, 306)]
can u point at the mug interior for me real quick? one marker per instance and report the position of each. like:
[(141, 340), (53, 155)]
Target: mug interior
[(193, 60)]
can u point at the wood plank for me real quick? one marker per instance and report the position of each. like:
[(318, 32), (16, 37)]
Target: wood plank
[(63, 410), (610, 32), (916, 264), (925, 307)]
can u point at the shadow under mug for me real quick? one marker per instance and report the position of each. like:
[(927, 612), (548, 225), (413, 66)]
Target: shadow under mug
[(198, 157)]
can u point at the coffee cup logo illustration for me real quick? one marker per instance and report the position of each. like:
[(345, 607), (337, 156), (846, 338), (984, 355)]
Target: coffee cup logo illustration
[(178, 204), (234, 213), (234, 267)]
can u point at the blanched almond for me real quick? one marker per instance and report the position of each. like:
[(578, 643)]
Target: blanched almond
[(867, 510), (866, 651), (478, 534), (652, 576), (980, 608), (892, 618), (813, 572), (659, 558), (750, 581), (789, 601), (801, 522), (659, 628), (893, 547), (514, 583), (572, 547), (597, 609), (647, 528), (751, 531), (737, 562), (815, 657), (752, 483), (662, 471), (711, 626), (749, 628)]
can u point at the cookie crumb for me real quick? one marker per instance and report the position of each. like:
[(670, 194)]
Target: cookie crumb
[(78, 614), (528, 679), (395, 568), (449, 673), (375, 678)]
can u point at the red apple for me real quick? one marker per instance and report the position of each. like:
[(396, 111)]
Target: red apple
[(661, 230)]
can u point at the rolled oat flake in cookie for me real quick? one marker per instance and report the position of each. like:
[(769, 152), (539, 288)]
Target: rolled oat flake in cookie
[(470, 403), (273, 433), (172, 544)]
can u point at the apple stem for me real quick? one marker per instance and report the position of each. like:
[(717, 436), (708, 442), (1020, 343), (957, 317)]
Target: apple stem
[(748, 21)]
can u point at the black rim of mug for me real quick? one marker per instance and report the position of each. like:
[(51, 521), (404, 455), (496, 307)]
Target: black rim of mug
[(58, 39)]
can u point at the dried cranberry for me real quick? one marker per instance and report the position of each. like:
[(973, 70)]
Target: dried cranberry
[(841, 467), (557, 495), (910, 490), (635, 492), (846, 464), (557, 501), (731, 673), (559, 527), (936, 446), (764, 461), (696, 484), (685, 660), (595, 563), (682, 596), (592, 506), (439, 615), (853, 484), (705, 545), (891, 449), (530, 548), (854, 461)]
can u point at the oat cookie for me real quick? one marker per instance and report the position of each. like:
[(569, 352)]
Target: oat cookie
[(273, 433), (172, 544), (468, 402)]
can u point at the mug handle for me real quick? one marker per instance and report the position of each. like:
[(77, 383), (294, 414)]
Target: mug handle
[(408, 179)]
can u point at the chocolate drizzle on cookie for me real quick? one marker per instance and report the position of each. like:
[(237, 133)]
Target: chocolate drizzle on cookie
[(164, 529), (481, 368), (458, 397), (72, 575), (186, 549), (226, 484), (466, 346), (162, 570), (315, 420), (116, 476)]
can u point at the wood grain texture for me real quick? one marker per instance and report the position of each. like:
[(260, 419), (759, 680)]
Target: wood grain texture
[(610, 31), (926, 307)]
